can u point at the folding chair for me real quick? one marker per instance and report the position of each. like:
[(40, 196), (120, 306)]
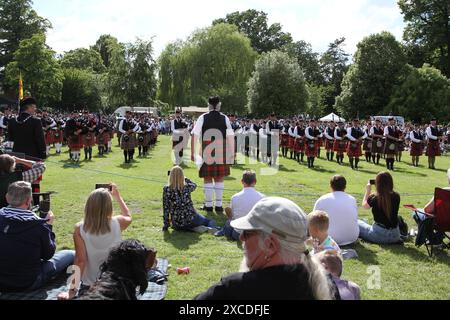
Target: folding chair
[(434, 228)]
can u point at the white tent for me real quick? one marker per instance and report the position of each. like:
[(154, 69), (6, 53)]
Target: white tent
[(332, 117)]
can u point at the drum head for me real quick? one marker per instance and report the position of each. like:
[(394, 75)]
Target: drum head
[(379, 144), (392, 146)]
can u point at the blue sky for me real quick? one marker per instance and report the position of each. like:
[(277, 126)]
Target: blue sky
[(79, 23)]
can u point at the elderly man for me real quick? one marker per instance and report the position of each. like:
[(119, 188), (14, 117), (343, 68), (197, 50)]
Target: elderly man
[(342, 210), (8, 174), (27, 244), (241, 204), (280, 267)]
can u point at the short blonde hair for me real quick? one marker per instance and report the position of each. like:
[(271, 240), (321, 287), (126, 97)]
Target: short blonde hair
[(98, 212), (176, 178), (319, 219)]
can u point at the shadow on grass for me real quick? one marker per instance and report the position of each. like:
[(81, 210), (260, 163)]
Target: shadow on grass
[(182, 240), (418, 254), (127, 166), (282, 168), (365, 255)]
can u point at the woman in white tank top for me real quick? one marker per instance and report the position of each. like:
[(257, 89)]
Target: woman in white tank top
[(97, 234)]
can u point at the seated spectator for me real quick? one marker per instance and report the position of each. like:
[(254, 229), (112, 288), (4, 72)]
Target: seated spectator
[(385, 204), (178, 206), (8, 173), (27, 244), (333, 264), (318, 223), (241, 204), (429, 208), (97, 234), (280, 267), (342, 211)]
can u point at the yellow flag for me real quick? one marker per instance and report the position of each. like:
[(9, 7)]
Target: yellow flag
[(20, 87)]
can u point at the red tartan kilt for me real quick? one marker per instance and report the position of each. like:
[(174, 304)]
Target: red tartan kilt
[(217, 168), (103, 138), (367, 146), (89, 139), (75, 142), (416, 149), (299, 145), (284, 140), (433, 149), (58, 137), (340, 146), (329, 144), (49, 139), (214, 171), (354, 149), (312, 148), (291, 142)]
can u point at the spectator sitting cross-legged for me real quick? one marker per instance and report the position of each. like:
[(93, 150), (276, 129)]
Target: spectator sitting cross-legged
[(241, 204), (385, 204), (27, 244), (280, 266), (8, 173), (342, 211), (97, 234), (333, 264), (178, 206), (318, 223)]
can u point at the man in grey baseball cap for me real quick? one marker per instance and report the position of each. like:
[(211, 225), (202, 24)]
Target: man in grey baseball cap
[(280, 266)]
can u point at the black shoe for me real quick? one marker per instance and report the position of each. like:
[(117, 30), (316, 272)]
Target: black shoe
[(207, 209), (219, 210)]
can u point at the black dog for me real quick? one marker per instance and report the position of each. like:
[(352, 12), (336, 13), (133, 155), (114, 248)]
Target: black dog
[(125, 269)]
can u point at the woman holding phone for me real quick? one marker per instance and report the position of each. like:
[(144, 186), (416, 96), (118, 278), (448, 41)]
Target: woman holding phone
[(385, 204)]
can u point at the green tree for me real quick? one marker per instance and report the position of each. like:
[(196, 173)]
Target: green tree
[(307, 59), (105, 46), (255, 25), (40, 70), (80, 90), (277, 85), (428, 30), (18, 21), (131, 78), (83, 59), (333, 66), (423, 94), (368, 85), (218, 60)]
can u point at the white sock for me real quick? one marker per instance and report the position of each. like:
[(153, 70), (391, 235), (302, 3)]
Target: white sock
[(48, 150), (209, 192), (219, 187), (58, 147)]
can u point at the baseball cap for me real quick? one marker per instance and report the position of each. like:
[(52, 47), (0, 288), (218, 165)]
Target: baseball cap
[(275, 215)]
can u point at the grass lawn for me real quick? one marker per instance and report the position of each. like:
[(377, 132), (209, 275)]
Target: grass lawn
[(406, 271)]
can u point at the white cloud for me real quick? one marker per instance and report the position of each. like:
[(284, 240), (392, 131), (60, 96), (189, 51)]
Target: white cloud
[(79, 23)]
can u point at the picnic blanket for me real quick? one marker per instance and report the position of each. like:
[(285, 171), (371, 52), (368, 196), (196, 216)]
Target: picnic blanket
[(58, 285)]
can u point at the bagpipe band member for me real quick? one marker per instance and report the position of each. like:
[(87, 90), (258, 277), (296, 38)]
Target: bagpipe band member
[(355, 135), (417, 144), (340, 142), (313, 136), (179, 137), (291, 141), (144, 136), (329, 142), (401, 144), (285, 139), (216, 137), (368, 141), (263, 142), (434, 137), (89, 129), (392, 137), (48, 124), (254, 139), (128, 128), (377, 135), (58, 135), (273, 139), (299, 142), (102, 138)]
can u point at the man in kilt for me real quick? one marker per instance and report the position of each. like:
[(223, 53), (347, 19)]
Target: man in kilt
[(355, 135), (179, 137), (300, 141), (417, 144), (48, 124), (128, 128), (368, 141), (144, 137), (340, 142), (434, 136), (90, 127), (216, 137), (401, 144), (392, 136), (329, 140), (312, 146), (377, 135), (285, 139), (254, 139), (103, 136), (273, 139), (58, 135), (73, 130), (291, 139)]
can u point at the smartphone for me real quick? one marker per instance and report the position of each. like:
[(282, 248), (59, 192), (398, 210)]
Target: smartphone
[(372, 182), (168, 173), (103, 186)]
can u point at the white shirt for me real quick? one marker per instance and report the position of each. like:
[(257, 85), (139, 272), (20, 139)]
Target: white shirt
[(135, 129), (1, 122), (413, 139), (430, 134), (343, 213), (243, 202), (199, 126), (97, 248), (351, 138)]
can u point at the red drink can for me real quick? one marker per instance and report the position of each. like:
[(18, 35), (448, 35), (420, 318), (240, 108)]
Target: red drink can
[(183, 270)]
